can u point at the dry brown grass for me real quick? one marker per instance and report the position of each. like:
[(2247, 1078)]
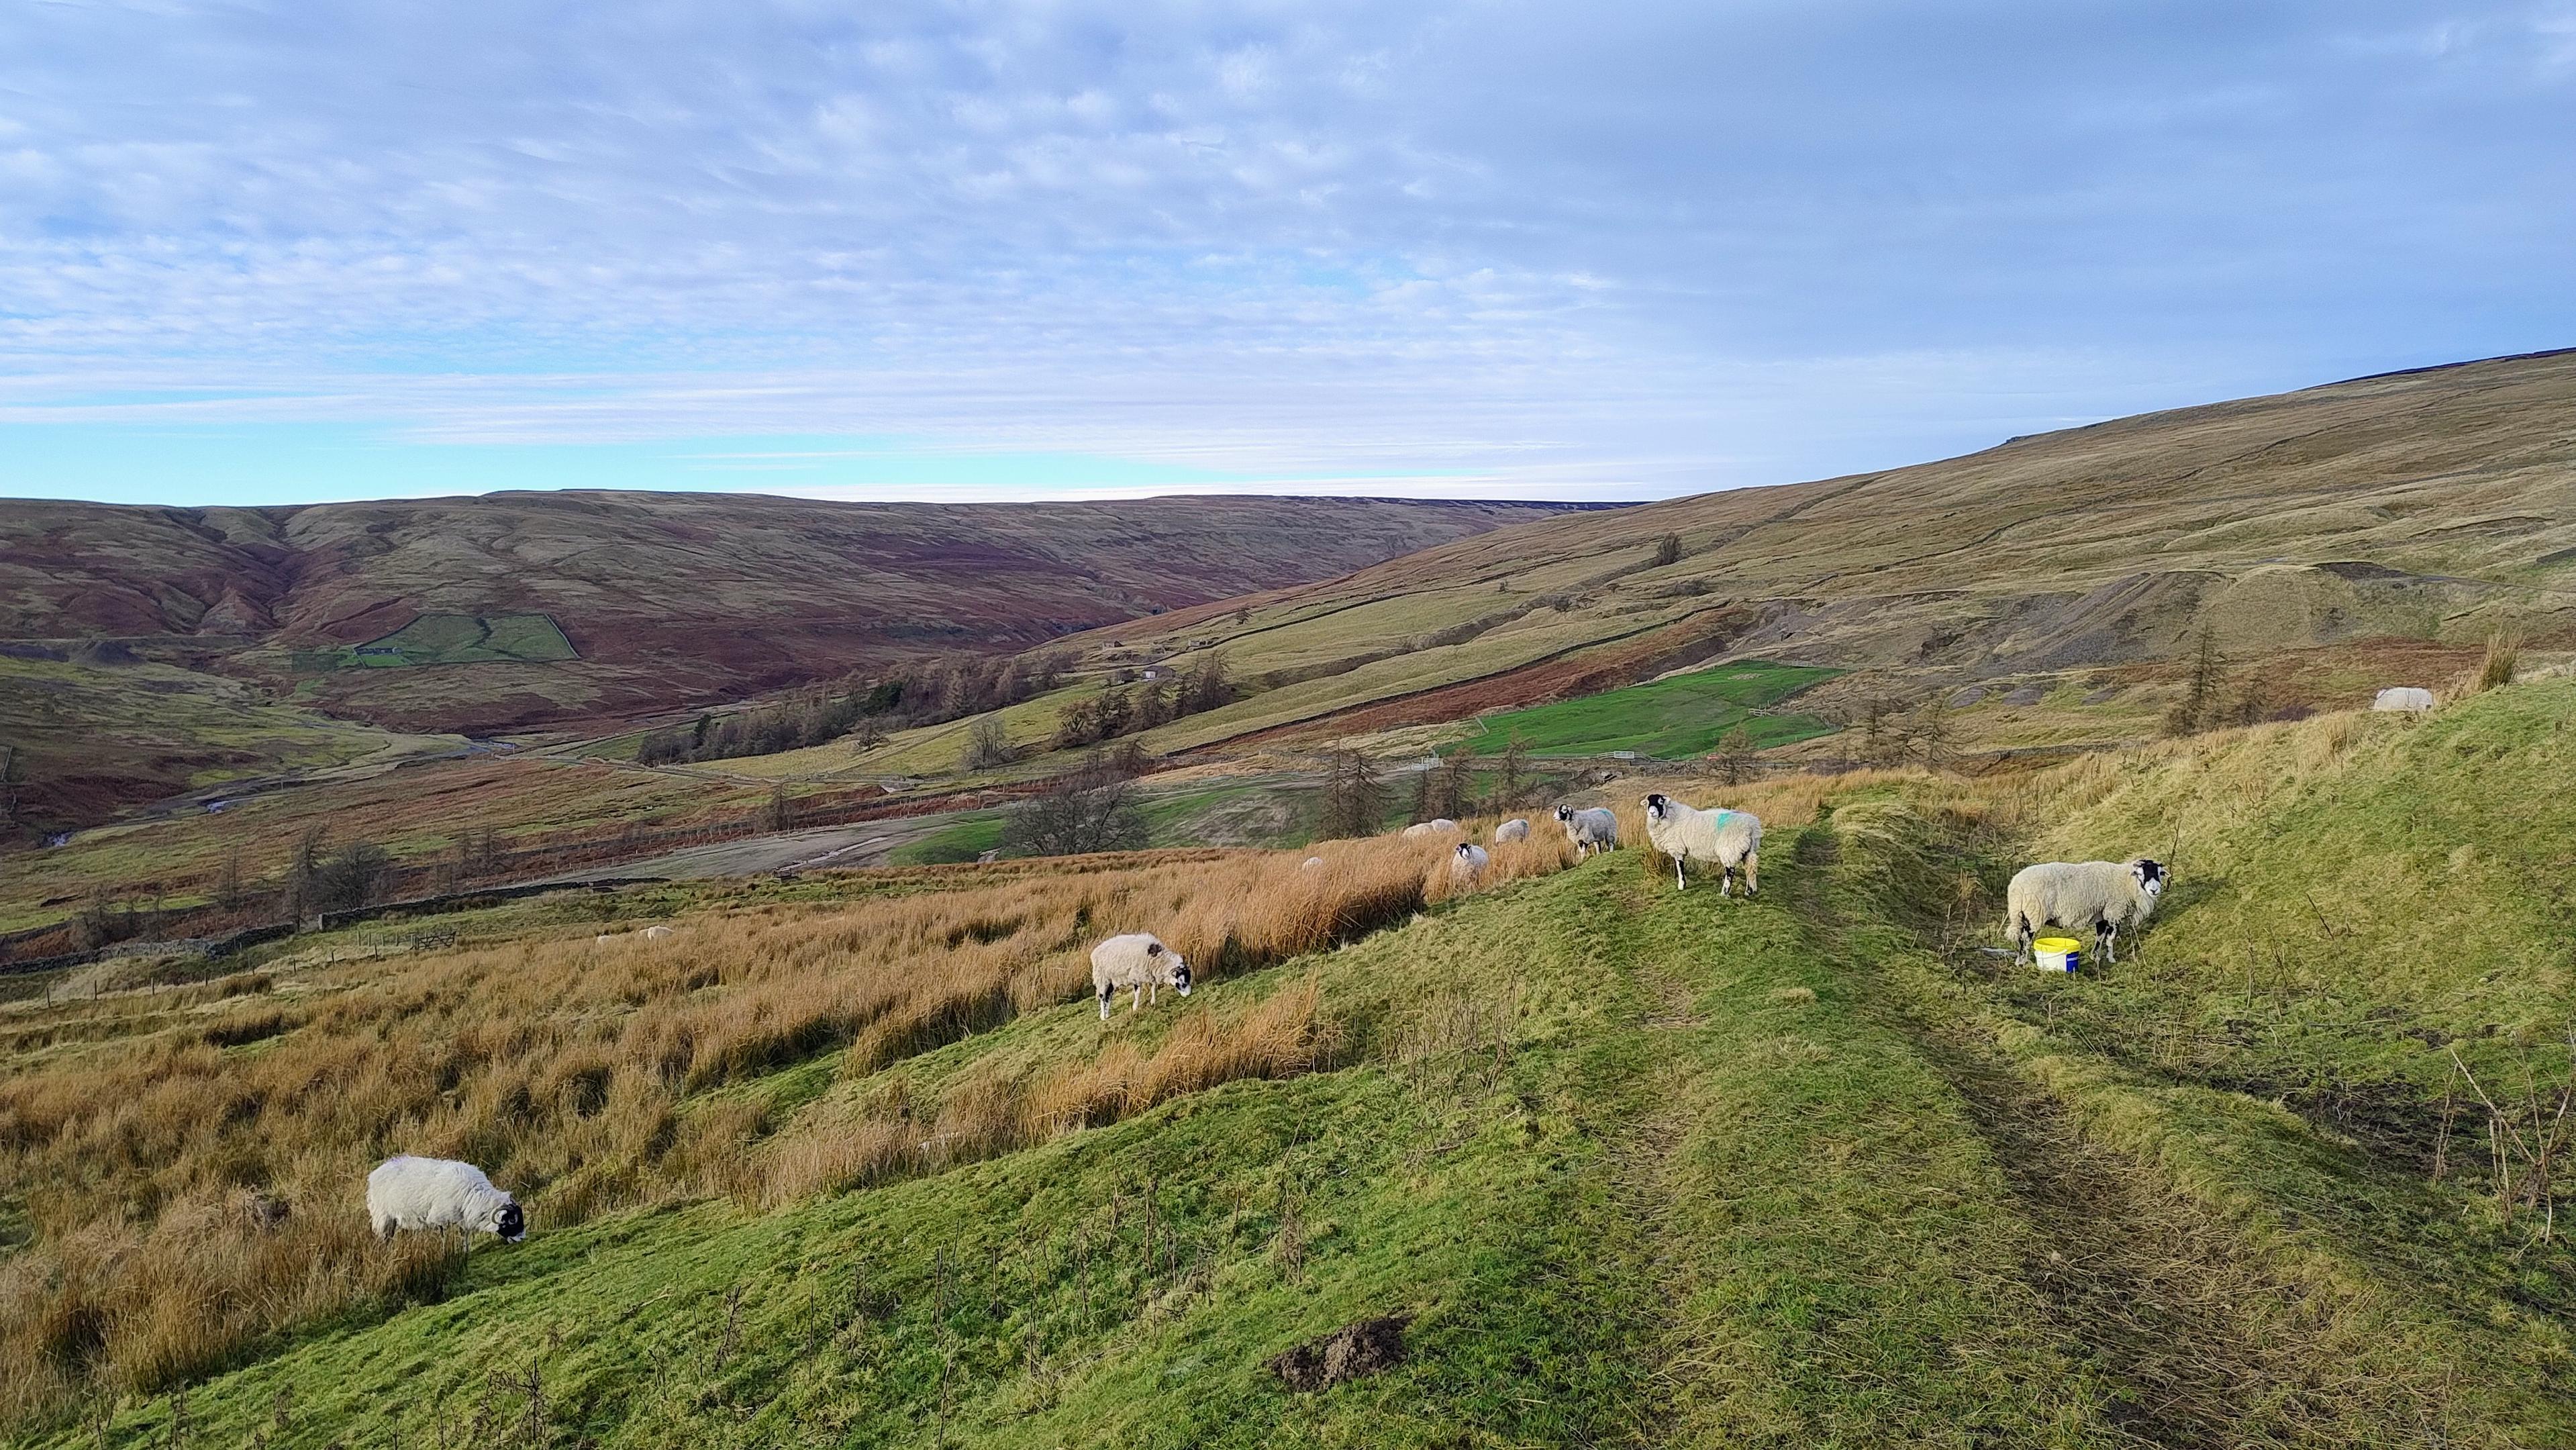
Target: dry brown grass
[(578, 1073), (992, 1112), (2503, 660)]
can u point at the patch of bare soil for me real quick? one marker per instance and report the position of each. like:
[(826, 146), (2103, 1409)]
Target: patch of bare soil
[(1348, 1353)]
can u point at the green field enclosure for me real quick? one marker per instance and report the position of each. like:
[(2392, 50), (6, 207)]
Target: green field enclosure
[(459, 639), (1667, 719)]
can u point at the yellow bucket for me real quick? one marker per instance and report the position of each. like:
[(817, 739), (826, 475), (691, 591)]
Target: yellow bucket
[(2058, 953)]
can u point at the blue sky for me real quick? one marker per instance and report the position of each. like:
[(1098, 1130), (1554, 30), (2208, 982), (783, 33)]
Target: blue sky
[(263, 252)]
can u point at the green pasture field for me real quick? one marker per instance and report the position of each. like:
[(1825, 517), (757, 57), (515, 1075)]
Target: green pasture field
[(461, 639), (1667, 719)]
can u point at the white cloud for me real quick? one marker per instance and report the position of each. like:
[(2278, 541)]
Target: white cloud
[(1500, 243)]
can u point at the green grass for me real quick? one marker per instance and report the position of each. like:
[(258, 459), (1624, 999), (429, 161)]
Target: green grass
[(963, 839), (460, 639), (1682, 716)]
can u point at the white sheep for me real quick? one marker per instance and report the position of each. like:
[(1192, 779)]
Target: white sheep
[(1310, 863), (1468, 862), (2403, 699), (1732, 839), (408, 1192), (2104, 895), (1424, 828), (1514, 829), (1589, 830), (1137, 961)]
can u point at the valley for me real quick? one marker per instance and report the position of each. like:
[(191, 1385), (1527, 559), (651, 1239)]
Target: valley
[(766, 989)]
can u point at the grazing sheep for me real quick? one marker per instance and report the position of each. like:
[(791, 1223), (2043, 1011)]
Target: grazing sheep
[(1310, 863), (1729, 838), (1592, 829), (1425, 828), (2104, 895), (1468, 862), (1515, 829), (408, 1192), (650, 933), (1137, 961), (2403, 699)]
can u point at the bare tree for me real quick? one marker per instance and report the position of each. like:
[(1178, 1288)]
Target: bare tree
[(1930, 731), (988, 744), (1734, 756), (1452, 784), (1511, 774), (1354, 798), (228, 880), (1092, 808), (1668, 550), (304, 874)]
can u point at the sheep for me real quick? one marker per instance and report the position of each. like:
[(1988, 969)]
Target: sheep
[(408, 1192), (2102, 894), (1590, 830), (1515, 829), (1468, 861), (1425, 828), (1729, 838), (1310, 863), (1138, 961), (2403, 699), (650, 933)]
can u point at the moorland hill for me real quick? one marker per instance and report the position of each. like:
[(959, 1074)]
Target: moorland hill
[(588, 604)]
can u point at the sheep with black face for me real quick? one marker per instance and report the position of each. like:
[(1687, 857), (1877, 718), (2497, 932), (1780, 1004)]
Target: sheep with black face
[(1730, 839), (416, 1193), (1140, 963), (2104, 895)]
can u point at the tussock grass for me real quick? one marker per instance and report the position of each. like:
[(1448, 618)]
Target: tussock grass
[(591, 1076)]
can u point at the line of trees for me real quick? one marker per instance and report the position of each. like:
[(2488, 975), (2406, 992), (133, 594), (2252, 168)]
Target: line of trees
[(923, 692), (1131, 710)]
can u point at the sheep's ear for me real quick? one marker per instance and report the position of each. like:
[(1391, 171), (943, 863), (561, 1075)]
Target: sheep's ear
[(1153, 949)]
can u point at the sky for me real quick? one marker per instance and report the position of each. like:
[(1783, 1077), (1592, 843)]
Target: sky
[(256, 252)]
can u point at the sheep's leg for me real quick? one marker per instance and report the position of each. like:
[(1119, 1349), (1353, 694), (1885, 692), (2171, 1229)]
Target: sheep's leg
[(1153, 993), (1135, 1000), (1725, 879), (1105, 994), (2107, 937), (1752, 866), (1680, 882), (2022, 934)]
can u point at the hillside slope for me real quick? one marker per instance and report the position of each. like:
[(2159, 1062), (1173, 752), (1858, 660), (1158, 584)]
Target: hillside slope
[(2422, 508), (1619, 1165), (663, 599)]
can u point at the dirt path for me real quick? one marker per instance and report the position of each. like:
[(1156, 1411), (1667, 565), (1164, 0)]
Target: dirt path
[(2151, 1291)]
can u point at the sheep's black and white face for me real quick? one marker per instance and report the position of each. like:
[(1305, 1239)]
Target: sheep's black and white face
[(1657, 804), (509, 1223), (1179, 978), (2151, 876), (1564, 813)]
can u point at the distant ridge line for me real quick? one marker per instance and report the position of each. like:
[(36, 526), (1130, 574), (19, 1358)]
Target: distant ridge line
[(2442, 367)]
